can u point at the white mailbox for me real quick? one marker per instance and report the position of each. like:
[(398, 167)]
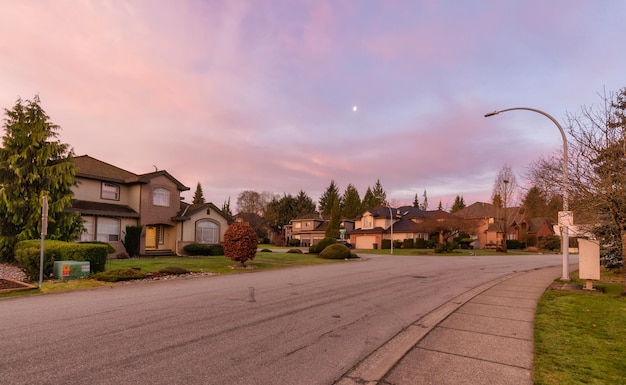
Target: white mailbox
[(588, 261)]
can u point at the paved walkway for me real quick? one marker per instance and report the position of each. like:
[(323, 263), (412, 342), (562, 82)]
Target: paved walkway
[(484, 336)]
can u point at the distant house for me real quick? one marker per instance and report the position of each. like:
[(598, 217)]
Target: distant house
[(311, 228), (401, 223), (486, 224), (109, 198)]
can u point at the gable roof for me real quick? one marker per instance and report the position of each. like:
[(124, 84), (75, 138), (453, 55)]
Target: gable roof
[(187, 210), (477, 210), (92, 168)]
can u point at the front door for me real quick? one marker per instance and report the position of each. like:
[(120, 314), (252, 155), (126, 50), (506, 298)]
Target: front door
[(151, 237)]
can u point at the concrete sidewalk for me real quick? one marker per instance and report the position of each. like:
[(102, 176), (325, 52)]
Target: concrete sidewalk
[(484, 336)]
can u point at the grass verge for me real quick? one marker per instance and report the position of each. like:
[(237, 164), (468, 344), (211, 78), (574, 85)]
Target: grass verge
[(212, 264), (580, 337)]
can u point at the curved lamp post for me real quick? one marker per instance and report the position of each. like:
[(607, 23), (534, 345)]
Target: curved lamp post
[(567, 219)]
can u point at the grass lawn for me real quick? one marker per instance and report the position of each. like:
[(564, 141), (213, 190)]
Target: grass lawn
[(213, 264), (580, 337), (221, 264)]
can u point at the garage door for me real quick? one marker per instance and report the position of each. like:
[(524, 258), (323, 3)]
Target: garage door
[(366, 242)]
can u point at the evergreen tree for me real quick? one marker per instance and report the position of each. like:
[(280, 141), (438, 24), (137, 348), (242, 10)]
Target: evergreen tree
[(380, 197), (334, 223), (416, 202), (534, 203), (440, 206), (459, 204), (198, 196), (352, 205), (34, 163), (368, 200), (425, 202), (328, 198), (226, 208), (303, 205)]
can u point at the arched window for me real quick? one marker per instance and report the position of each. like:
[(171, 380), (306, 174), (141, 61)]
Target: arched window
[(207, 232), (161, 197)]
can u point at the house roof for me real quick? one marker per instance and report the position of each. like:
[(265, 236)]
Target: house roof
[(187, 210), (477, 210), (89, 167), (93, 168), (102, 209), (406, 226)]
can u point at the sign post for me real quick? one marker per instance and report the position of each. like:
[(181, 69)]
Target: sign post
[(44, 231)]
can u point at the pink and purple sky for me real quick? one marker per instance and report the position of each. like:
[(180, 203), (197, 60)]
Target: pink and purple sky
[(259, 95)]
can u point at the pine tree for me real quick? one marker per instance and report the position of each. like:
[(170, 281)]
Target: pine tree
[(368, 200), (352, 205), (332, 231), (328, 198), (425, 202), (459, 204), (226, 208), (34, 163), (380, 197), (303, 205), (416, 202), (198, 196), (440, 206)]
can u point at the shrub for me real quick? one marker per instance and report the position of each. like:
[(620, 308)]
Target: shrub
[(109, 248), (131, 240), (28, 254), (550, 242), (173, 269), (29, 258), (335, 251), (119, 275), (408, 244), (203, 249), (293, 242), (266, 251), (421, 243), (240, 242), (385, 244), (321, 245), (512, 244), (295, 251)]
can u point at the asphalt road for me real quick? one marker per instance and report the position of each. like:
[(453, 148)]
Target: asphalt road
[(303, 325)]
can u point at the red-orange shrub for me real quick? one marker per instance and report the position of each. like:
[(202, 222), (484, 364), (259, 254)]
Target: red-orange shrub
[(240, 242)]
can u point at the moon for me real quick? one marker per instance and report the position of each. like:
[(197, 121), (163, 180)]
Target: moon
[(354, 108)]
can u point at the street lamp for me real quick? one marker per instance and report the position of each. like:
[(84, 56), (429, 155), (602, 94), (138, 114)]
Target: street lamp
[(566, 215), (391, 218)]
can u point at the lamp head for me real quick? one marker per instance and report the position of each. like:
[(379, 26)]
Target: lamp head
[(492, 114)]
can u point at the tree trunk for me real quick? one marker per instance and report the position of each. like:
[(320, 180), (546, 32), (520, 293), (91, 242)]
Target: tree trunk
[(623, 236)]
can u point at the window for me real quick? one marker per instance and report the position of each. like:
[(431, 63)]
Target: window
[(108, 230), (297, 225), (207, 232), (161, 197), (87, 235), (110, 191), (161, 234), (368, 222)]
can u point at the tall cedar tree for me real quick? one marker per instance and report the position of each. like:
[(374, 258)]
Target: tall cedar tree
[(32, 164), (198, 196), (416, 202), (327, 200), (226, 208), (352, 205), (425, 202), (459, 204), (368, 200), (334, 223), (380, 196), (303, 205)]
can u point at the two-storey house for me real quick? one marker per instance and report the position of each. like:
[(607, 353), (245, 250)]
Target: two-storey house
[(110, 198)]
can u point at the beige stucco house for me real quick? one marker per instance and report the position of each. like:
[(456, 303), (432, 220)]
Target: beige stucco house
[(110, 198), (311, 228)]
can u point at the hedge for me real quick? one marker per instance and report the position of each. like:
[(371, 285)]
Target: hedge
[(28, 254), (203, 249)]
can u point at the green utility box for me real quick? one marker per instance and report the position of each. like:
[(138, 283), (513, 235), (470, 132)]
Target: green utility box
[(71, 269)]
